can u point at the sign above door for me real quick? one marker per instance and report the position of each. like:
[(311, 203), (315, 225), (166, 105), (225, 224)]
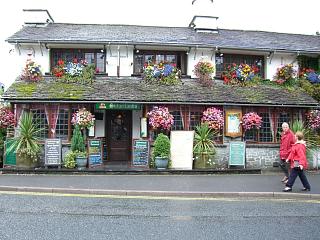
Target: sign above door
[(119, 106)]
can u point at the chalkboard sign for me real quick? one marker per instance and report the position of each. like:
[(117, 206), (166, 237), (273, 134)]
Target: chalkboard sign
[(95, 152), (237, 153), (140, 152), (9, 157), (52, 152)]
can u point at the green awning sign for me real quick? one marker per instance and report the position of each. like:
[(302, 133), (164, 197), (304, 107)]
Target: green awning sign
[(119, 106)]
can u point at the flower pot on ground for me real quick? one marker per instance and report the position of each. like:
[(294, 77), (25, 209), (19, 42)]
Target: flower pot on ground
[(161, 151), (81, 159), (204, 148), (26, 143)]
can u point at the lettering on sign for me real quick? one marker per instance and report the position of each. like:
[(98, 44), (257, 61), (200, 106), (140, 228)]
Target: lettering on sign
[(237, 153), (95, 152), (53, 151), (140, 152)]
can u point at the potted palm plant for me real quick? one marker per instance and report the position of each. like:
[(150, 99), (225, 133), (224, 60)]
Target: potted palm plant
[(26, 143), (161, 151), (203, 145)]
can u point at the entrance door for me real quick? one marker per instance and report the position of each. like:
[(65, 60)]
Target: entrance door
[(119, 124)]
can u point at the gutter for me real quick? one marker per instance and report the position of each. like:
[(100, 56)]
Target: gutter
[(159, 102), (162, 44)]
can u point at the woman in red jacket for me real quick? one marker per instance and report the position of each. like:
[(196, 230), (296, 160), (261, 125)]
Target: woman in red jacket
[(286, 142), (298, 162)]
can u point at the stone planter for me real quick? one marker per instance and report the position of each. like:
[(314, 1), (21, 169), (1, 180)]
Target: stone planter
[(81, 162), (161, 162), (24, 162)]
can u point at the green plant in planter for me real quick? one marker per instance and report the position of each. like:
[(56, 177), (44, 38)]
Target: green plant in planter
[(26, 143), (78, 147), (312, 139), (203, 148), (161, 150), (69, 160)]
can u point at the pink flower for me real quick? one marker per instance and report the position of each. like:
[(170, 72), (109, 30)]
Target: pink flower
[(251, 120), (214, 118), (160, 117)]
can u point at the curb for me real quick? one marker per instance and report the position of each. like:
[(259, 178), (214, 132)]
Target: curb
[(275, 195)]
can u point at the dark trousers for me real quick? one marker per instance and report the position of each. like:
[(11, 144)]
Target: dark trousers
[(293, 175), (284, 167)]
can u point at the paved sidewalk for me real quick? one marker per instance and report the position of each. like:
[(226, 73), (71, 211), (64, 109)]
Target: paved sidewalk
[(250, 185)]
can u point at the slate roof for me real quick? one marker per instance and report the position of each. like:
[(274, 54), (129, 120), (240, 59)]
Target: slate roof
[(135, 90), (176, 36)]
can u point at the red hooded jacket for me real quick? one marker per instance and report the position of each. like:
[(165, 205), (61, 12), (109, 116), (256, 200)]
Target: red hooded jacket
[(286, 142), (298, 152)]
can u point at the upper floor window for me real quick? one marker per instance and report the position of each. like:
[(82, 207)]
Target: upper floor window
[(222, 62), (144, 57), (92, 56)]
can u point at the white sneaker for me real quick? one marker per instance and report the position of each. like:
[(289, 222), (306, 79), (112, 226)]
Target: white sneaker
[(287, 189)]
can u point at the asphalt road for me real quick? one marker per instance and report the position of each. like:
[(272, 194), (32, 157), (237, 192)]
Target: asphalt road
[(57, 216)]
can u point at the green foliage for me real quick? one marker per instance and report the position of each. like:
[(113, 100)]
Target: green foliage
[(312, 89), (161, 146), (312, 139), (69, 160), (203, 140), (27, 141), (77, 141)]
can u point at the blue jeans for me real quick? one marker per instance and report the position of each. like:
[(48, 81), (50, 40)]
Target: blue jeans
[(293, 175)]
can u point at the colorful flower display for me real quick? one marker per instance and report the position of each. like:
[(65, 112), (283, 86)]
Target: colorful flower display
[(32, 71), (214, 118), (251, 120), (239, 74), (203, 71), (313, 119), (6, 118), (83, 118), (160, 117), (309, 74), (74, 68), (284, 73), (163, 73)]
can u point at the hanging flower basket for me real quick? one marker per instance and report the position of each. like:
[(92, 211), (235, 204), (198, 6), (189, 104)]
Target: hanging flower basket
[(251, 120), (160, 118), (313, 119), (213, 117), (83, 118)]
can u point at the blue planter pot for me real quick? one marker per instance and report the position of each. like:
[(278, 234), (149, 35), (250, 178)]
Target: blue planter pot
[(161, 162)]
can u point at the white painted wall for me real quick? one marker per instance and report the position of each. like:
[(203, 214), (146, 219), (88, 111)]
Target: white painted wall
[(136, 115), (277, 61), (196, 55), (126, 60), (100, 125), (21, 56)]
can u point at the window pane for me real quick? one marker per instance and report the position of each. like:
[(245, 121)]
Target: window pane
[(171, 58), (251, 135), (138, 64), (100, 62), (62, 124), (195, 120), (40, 119), (177, 122), (265, 134), (89, 57), (149, 59), (159, 58)]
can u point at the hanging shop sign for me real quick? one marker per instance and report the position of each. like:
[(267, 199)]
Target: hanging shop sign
[(119, 106)]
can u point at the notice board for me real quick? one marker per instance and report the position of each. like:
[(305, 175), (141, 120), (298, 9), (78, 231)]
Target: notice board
[(9, 157), (52, 152), (237, 153), (140, 152), (181, 149), (95, 152)]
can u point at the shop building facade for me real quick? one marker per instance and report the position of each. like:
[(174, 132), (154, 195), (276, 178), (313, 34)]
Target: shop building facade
[(120, 99)]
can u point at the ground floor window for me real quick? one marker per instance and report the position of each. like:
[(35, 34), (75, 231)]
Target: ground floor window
[(272, 123)]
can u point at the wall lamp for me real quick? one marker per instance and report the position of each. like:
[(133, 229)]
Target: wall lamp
[(269, 55), (189, 50), (218, 51), (135, 49)]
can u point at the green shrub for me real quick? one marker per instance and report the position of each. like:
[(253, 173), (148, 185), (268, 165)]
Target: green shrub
[(161, 146), (69, 160)]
